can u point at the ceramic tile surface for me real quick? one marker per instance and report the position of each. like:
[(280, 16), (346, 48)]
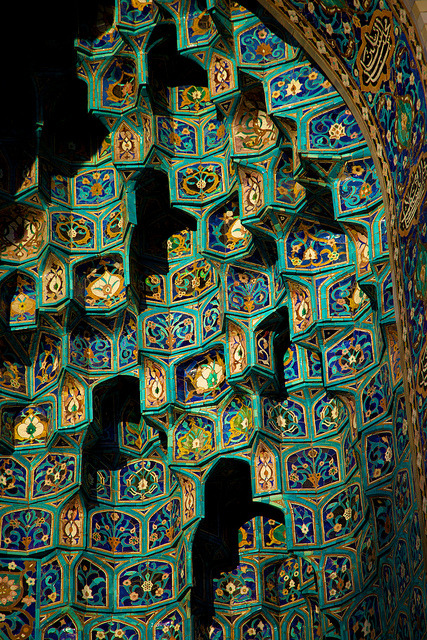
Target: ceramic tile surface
[(203, 425)]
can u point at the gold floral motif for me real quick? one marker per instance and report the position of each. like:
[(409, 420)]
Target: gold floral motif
[(126, 144), (253, 130), (32, 426), (208, 376), (22, 303), (73, 231), (53, 281), (241, 424), (236, 348), (361, 241), (155, 383), (301, 306), (194, 97), (71, 522), (140, 4), (252, 190), (265, 465), (73, 401), (221, 75), (123, 89), (23, 232), (201, 24), (196, 442), (105, 287)]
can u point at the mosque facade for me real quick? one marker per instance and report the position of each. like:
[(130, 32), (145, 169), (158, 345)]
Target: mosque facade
[(213, 364)]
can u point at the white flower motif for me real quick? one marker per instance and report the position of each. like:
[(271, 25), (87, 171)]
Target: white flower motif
[(210, 376), (238, 231), (366, 629), (30, 428), (293, 88), (230, 587), (156, 387), (106, 286), (87, 592), (142, 484), (310, 254)]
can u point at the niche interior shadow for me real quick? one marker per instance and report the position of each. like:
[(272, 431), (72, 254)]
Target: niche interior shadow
[(228, 505)]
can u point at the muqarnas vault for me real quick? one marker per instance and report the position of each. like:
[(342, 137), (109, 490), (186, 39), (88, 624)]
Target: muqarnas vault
[(203, 424)]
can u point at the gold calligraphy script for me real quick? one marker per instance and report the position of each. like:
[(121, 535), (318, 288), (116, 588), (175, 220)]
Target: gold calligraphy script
[(411, 203), (373, 60)]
